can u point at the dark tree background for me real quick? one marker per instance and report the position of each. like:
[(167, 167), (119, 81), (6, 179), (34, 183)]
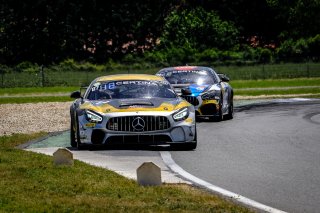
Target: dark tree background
[(49, 31)]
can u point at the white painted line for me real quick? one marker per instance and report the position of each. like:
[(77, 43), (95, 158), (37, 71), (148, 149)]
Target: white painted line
[(166, 156), (291, 100)]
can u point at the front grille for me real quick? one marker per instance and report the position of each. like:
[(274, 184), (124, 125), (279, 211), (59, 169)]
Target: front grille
[(191, 99), (208, 109), (138, 139), (138, 123)]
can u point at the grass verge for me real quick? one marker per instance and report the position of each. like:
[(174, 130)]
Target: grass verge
[(34, 99), (306, 87), (31, 183), (36, 90), (296, 82), (278, 91)]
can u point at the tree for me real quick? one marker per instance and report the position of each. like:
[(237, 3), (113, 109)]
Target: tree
[(45, 31), (199, 29)]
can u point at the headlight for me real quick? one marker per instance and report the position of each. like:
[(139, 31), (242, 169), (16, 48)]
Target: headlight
[(93, 117), (211, 95), (181, 114)]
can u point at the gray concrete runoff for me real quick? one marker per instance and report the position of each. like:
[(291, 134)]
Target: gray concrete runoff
[(123, 162)]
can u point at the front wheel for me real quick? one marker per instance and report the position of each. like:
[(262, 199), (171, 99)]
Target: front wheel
[(220, 113), (73, 141), (229, 116), (75, 134)]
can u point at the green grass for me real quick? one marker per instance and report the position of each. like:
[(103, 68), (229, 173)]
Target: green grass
[(271, 71), (31, 183), (277, 91), (268, 87), (283, 87), (296, 82), (36, 94), (34, 99), (39, 90)]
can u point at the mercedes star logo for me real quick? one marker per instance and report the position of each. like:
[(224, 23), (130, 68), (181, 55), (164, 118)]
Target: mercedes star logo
[(138, 124)]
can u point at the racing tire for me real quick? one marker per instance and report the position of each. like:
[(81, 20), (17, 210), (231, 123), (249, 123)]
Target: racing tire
[(219, 117), (73, 141), (229, 116), (79, 145)]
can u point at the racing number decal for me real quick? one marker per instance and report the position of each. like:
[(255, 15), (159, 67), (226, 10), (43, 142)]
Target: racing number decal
[(112, 85)]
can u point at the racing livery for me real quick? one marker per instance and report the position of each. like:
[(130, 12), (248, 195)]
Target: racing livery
[(132, 109), (208, 91)]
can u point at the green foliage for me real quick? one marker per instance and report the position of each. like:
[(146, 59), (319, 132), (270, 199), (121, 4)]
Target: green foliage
[(314, 47), (27, 66), (299, 50), (48, 33), (45, 32), (285, 50), (265, 55), (208, 55), (71, 65), (199, 29)]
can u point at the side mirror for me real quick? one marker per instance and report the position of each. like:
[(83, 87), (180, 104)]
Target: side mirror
[(224, 77), (186, 91), (83, 90), (75, 94)]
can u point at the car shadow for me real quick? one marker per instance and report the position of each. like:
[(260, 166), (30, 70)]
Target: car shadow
[(138, 147)]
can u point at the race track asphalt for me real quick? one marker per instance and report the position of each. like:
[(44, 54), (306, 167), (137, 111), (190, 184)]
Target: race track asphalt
[(269, 152)]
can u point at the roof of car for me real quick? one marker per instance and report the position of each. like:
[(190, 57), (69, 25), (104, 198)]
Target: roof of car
[(120, 77), (185, 68)]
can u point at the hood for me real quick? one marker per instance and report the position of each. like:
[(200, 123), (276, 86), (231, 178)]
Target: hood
[(194, 88), (198, 89), (134, 105)]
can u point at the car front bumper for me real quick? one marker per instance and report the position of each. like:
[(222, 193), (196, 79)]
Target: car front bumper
[(204, 108), (121, 131)]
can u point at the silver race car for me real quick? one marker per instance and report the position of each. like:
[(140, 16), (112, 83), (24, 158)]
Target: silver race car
[(132, 109), (208, 91)]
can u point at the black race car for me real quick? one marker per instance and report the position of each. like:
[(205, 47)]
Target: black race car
[(209, 92)]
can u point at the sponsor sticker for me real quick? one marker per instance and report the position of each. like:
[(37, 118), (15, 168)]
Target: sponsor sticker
[(200, 72), (90, 125), (114, 84)]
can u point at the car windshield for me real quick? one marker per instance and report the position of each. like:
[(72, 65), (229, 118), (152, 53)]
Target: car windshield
[(200, 77), (131, 89)]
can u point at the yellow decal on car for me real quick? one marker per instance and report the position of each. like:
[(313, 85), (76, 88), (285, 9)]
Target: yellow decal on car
[(183, 104), (189, 120), (90, 125), (143, 77), (106, 108), (209, 102)]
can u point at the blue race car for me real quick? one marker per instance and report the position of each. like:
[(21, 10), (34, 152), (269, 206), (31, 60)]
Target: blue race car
[(209, 92)]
